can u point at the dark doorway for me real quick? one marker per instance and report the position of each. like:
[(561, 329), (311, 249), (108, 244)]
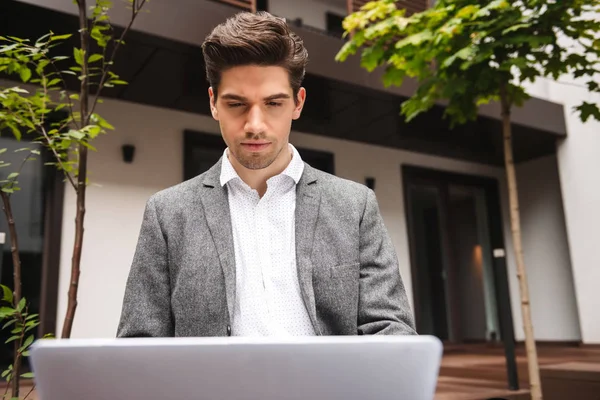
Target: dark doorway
[(202, 150), (459, 273), (455, 228)]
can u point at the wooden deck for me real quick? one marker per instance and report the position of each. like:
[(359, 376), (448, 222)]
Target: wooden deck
[(474, 372), (478, 372)]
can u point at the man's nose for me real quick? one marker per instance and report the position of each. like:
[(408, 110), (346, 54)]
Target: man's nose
[(255, 120)]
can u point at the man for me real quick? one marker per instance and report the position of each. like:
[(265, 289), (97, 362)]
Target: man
[(262, 243)]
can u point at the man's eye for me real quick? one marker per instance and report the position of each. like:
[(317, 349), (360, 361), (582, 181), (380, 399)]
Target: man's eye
[(273, 104), (234, 105)]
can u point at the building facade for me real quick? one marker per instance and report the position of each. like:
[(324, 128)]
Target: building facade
[(442, 193)]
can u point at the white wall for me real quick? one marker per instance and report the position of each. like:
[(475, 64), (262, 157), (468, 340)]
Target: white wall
[(546, 251), (579, 170), (311, 12), (116, 203)]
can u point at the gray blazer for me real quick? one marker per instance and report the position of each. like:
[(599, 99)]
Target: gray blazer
[(182, 279)]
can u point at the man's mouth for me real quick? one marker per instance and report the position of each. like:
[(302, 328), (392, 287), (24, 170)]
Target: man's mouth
[(255, 146)]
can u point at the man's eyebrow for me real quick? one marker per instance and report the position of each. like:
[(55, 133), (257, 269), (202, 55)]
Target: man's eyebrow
[(231, 96), (277, 96)]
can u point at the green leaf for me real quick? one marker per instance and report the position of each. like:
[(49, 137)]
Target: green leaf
[(27, 343), (76, 134), (78, 53), (101, 121), (61, 37), (9, 323), (31, 316), (7, 292), (515, 28), (95, 57), (87, 145), (15, 130), (371, 58), (462, 54), (12, 175), (588, 110), (25, 74), (32, 325), (415, 39), (28, 375), (6, 312), (12, 339), (593, 86), (393, 76), (21, 304), (4, 49)]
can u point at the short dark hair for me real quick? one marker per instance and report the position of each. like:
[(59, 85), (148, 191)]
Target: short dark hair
[(254, 39)]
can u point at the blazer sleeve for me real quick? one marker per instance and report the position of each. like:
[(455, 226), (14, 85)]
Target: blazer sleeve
[(146, 310), (383, 304)]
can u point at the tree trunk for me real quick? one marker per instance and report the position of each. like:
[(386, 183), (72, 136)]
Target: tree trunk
[(14, 247), (515, 224), (81, 178)]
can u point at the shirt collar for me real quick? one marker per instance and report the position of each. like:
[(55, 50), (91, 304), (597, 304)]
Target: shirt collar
[(294, 169)]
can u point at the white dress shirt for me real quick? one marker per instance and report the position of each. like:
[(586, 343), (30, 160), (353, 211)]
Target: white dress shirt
[(268, 300)]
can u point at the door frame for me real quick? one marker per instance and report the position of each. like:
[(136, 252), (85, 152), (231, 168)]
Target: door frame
[(412, 173)]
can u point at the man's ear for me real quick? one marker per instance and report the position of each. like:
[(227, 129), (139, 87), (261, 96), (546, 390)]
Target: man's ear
[(213, 101), (300, 99)]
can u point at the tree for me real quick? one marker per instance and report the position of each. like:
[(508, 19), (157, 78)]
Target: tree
[(33, 111), (468, 53)]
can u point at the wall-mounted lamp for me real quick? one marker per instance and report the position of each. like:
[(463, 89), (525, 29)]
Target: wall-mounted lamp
[(370, 182), (128, 153)]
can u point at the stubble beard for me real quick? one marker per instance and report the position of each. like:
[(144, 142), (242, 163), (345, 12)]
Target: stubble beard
[(256, 161)]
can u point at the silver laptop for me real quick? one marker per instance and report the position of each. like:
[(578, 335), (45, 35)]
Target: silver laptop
[(298, 368)]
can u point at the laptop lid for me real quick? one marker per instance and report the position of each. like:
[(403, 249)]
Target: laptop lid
[(297, 368)]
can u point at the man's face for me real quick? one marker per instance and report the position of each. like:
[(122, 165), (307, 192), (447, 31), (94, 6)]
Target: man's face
[(255, 108)]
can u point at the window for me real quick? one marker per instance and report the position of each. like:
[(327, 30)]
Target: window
[(334, 24)]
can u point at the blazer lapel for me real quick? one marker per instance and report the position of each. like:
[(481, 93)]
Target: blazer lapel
[(307, 209), (216, 210)]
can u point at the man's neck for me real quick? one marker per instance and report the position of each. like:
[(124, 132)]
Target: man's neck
[(257, 178)]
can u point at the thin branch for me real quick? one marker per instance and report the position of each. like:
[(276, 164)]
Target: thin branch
[(134, 12), (64, 86), (31, 391), (13, 180), (44, 82), (43, 130), (58, 158), (7, 386)]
